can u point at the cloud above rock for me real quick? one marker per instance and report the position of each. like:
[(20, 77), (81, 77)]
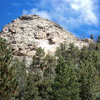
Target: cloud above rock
[(70, 14)]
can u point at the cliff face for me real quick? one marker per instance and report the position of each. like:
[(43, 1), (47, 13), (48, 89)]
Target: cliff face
[(29, 32)]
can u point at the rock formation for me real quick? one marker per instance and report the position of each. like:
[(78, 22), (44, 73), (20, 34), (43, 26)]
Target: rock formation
[(29, 32)]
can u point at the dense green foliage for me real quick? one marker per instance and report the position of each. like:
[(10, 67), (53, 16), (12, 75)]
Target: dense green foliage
[(8, 83), (66, 86), (72, 74), (87, 74)]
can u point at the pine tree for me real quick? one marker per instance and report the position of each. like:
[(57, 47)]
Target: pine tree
[(50, 65), (87, 75), (70, 54), (8, 83), (98, 40), (21, 78), (97, 65), (65, 85), (38, 59), (61, 51), (40, 78), (39, 87), (92, 37), (45, 88), (32, 87)]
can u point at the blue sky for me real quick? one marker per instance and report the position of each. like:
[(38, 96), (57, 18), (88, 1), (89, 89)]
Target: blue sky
[(80, 17)]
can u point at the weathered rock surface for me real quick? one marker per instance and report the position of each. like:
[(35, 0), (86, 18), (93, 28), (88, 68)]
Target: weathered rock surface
[(29, 32)]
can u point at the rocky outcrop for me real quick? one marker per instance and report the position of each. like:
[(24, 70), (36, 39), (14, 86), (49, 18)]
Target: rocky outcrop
[(29, 32), (89, 40)]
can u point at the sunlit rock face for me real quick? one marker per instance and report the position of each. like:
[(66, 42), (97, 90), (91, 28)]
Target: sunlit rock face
[(29, 32)]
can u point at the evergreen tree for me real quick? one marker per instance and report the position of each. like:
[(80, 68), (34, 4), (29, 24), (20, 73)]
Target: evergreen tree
[(50, 65), (70, 54), (92, 37), (45, 88), (87, 75), (98, 40), (38, 59), (97, 65), (8, 83), (32, 87), (21, 78), (40, 78), (61, 51), (65, 85)]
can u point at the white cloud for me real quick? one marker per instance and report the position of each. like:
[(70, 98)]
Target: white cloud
[(42, 13), (86, 9), (67, 12)]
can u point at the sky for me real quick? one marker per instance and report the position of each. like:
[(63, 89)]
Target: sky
[(80, 17)]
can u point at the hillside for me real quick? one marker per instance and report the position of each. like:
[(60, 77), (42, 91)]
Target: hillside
[(29, 32), (52, 63)]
